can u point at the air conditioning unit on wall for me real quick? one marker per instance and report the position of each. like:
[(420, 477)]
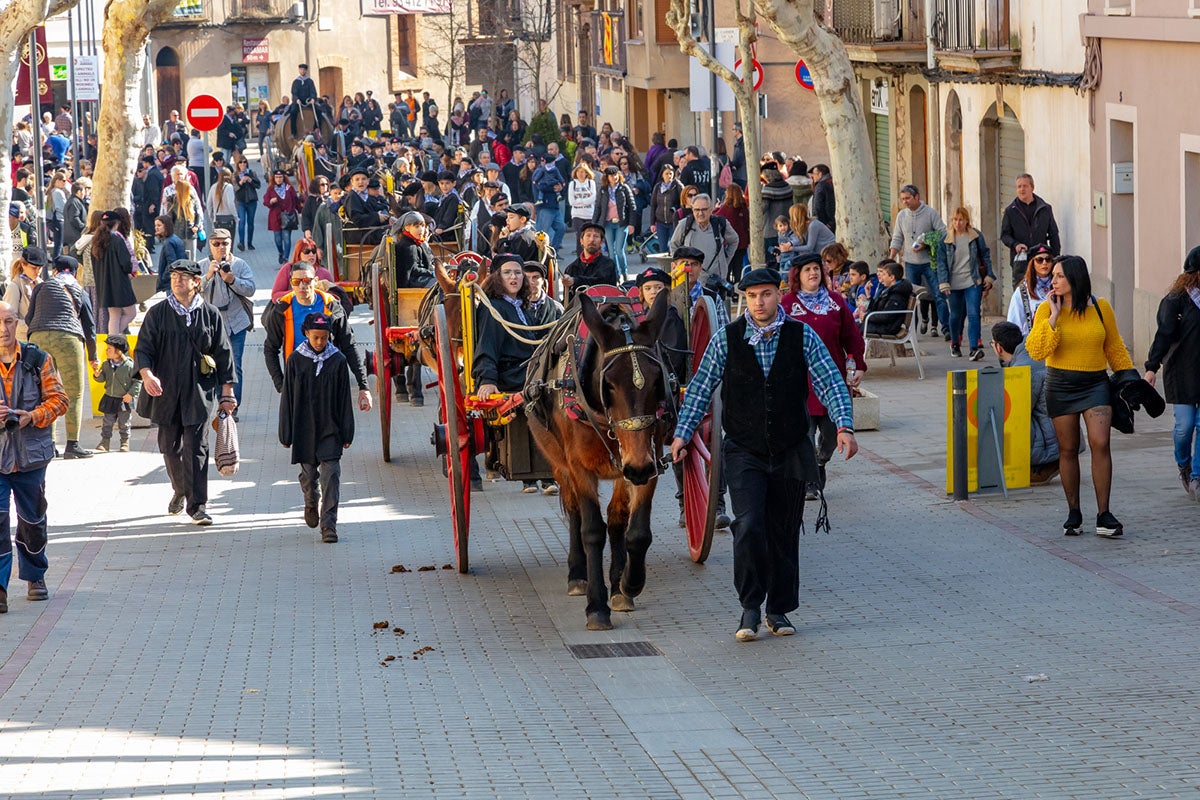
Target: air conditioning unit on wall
[(886, 19)]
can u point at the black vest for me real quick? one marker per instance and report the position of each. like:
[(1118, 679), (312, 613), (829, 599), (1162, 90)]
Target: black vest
[(768, 415)]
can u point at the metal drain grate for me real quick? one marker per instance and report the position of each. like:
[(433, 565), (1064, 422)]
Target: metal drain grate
[(614, 650)]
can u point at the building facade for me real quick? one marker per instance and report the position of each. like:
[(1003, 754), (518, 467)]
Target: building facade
[(1144, 157)]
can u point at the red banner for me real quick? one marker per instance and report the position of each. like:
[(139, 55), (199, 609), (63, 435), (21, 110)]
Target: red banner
[(45, 94)]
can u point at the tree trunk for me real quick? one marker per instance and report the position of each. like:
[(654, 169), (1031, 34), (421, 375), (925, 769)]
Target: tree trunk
[(859, 218), (17, 20), (127, 26), (744, 94)]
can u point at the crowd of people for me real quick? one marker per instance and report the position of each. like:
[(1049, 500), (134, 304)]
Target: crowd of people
[(484, 179)]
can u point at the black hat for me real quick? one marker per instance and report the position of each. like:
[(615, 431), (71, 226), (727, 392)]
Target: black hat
[(411, 189), (186, 265), (302, 66), (110, 216), (429, 176), (520, 209), (280, 172), (316, 321), (374, 184), (118, 341), (492, 165), (35, 256), (590, 224), (359, 171), (804, 259), (66, 264), (1192, 262), (759, 277), (653, 274), (376, 143), (536, 266), (690, 253), (1040, 250), (447, 175), (503, 258)]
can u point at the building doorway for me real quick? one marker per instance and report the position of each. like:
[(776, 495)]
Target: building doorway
[(1001, 160), (1122, 216), (953, 170), (329, 83), (167, 82), (918, 139)]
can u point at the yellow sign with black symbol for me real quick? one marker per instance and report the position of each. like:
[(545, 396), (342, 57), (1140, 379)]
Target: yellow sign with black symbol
[(1000, 427)]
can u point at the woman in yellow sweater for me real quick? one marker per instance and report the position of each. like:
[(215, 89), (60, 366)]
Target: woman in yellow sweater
[(1076, 335)]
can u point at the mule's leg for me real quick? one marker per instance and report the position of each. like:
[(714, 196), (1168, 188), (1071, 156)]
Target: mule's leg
[(638, 538), (618, 519), (576, 559), (592, 529)]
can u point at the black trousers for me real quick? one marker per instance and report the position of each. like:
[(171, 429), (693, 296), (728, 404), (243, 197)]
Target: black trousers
[(321, 485), (185, 452), (768, 507)]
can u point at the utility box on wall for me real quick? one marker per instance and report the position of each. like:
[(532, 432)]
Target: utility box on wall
[(1122, 181)]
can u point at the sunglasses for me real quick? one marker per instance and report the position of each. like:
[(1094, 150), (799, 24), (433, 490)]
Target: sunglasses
[(222, 243), (307, 251), (302, 281), (1043, 259)]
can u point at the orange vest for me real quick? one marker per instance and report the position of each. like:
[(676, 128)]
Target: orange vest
[(289, 326)]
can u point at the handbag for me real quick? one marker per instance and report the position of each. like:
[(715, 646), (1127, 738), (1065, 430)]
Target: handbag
[(226, 221), (289, 220), (225, 454)]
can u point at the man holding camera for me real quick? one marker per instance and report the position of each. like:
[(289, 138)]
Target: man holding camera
[(712, 236), (32, 399), (228, 284)]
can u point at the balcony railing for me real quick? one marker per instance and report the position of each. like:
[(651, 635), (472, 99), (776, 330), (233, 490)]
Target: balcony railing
[(267, 9), (873, 21), (608, 42), (973, 25)]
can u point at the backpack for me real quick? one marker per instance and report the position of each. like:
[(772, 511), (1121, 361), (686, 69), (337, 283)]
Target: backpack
[(718, 224), (725, 178)]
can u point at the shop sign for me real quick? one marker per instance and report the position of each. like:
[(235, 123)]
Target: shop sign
[(879, 97), (385, 7), (256, 50)]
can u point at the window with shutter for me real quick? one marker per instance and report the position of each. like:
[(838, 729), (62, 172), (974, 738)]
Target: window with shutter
[(662, 31)]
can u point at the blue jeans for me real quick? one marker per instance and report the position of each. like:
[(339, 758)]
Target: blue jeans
[(615, 235), (663, 231), (283, 243), (28, 490), (1187, 437), (965, 302), (245, 231), (550, 220), (238, 342), (923, 274)]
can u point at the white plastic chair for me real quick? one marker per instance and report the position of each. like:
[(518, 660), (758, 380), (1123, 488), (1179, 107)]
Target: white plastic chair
[(906, 336)]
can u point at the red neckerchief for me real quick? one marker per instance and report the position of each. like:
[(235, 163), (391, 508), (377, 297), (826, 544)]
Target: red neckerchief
[(414, 238), (583, 256)]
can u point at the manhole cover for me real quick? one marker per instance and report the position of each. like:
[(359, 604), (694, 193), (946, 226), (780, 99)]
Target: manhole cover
[(615, 650)]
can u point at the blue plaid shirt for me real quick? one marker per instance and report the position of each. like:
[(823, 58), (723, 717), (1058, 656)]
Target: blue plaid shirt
[(827, 382)]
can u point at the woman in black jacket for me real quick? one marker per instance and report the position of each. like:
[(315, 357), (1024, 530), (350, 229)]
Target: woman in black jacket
[(112, 260), (1177, 346), (246, 185), (664, 203), (414, 258), (615, 210), (317, 188)]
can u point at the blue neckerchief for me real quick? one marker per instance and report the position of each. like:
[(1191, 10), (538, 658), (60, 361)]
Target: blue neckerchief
[(1043, 286), (757, 334)]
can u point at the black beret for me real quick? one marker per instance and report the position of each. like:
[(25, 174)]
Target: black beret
[(34, 255), (520, 209), (503, 258), (653, 274), (590, 224), (429, 176), (1192, 262), (447, 175), (374, 184), (690, 253), (804, 259), (186, 265), (359, 171), (759, 277), (536, 266)]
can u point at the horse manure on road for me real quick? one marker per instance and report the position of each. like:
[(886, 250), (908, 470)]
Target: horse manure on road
[(380, 625), (426, 568), (400, 568)]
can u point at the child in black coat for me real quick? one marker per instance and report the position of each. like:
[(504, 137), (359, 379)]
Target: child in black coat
[(316, 421)]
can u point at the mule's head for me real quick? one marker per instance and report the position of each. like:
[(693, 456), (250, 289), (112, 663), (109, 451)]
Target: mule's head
[(629, 382)]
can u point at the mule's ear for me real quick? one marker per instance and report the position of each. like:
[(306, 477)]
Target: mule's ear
[(443, 277), (600, 330)]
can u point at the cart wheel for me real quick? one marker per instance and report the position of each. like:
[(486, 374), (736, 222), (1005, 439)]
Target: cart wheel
[(383, 372), (702, 467), (458, 440)]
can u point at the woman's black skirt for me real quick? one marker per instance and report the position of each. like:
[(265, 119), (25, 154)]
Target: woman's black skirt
[(1070, 391)]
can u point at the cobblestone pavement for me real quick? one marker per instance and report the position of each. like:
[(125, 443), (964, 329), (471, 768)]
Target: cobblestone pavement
[(243, 660)]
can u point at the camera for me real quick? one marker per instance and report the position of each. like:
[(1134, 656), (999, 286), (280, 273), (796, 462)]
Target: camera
[(718, 285), (11, 423), (226, 268), (775, 251)]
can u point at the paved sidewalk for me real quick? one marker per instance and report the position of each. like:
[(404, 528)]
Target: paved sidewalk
[(243, 660)]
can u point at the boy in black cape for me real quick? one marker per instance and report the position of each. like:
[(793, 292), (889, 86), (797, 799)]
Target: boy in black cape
[(316, 421)]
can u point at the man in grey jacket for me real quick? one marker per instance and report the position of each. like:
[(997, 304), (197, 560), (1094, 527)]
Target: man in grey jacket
[(228, 284), (711, 235), (1009, 345), (913, 222)]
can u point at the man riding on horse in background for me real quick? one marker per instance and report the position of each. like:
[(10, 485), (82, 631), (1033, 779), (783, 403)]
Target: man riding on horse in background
[(304, 93)]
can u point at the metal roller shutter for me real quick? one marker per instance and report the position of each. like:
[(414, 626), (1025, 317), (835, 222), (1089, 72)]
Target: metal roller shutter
[(883, 167)]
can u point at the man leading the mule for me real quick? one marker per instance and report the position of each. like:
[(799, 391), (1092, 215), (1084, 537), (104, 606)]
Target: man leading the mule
[(763, 362)]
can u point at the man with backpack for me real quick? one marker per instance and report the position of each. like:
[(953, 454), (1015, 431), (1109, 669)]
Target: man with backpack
[(712, 236)]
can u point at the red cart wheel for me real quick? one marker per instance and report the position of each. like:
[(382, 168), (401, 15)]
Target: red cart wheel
[(383, 365), (458, 439), (702, 467)]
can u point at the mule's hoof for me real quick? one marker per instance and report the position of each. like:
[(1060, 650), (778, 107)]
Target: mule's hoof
[(599, 622), (620, 602), (576, 588)]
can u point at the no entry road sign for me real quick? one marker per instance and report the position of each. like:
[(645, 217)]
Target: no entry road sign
[(204, 112)]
